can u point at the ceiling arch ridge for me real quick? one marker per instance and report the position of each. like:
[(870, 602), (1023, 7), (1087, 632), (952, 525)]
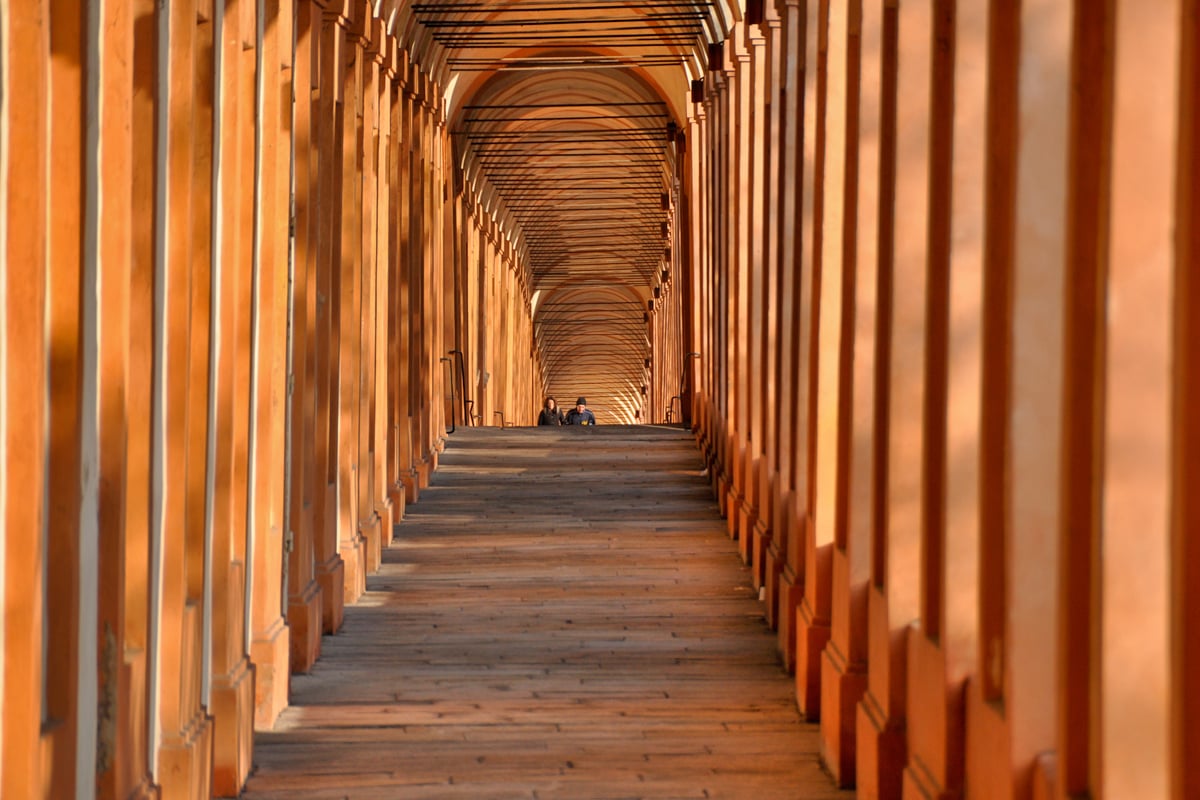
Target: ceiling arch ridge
[(597, 85)]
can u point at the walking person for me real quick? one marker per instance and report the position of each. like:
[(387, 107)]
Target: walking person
[(581, 414), (550, 414)]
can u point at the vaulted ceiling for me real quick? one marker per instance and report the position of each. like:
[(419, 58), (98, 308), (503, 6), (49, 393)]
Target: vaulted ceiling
[(565, 116)]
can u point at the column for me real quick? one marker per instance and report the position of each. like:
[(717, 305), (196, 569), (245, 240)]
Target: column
[(304, 592), (348, 280), (185, 760), (231, 696), (844, 658), (330, 569), (780, 603), (26, 85), (755, 101), (943, 650), (893, 597), (270, 641), (803, 254), (1185, 460), (370, 523), (1135, 656), (829, 365), (1012, 707), (772, 190)]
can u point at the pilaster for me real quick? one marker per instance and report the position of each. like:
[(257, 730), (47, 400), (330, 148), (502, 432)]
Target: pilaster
[(304, 592), (329, 567)]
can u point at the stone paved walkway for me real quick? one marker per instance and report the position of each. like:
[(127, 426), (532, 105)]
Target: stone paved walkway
[(561, 616)]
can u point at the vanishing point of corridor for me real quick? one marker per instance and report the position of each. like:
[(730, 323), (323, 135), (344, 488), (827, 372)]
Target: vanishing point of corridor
[(562, 615)]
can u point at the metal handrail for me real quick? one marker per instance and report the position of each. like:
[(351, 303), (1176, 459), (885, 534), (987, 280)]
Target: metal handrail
[(452, 426)]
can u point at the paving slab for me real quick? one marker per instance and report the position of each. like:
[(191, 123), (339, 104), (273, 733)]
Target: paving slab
[(562, 615)]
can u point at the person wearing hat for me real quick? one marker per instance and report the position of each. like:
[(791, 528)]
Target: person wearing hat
[(581, 414)]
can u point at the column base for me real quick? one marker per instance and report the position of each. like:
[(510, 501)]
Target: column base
[(232, 704), (185, 763), (790, 595), (383, 509), (304, 622), (412, 487), (733, 506), (842, 687), (332, 578), (354, 557), (146, 790), (811, 637), (774, 570), (990, 771), (424, 472), (760, 543), (920, 784), (399, 499), (1045, 776), (272, 676), (882, 751), (936, 708), (370, 531)]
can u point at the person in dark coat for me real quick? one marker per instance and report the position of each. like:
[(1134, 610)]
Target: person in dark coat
[(581, 414), (551, 414)]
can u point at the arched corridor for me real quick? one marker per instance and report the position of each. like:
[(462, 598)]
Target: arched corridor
[(920, 277)]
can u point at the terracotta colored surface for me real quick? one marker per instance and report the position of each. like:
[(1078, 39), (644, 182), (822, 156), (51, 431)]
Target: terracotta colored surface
[(560, 616)]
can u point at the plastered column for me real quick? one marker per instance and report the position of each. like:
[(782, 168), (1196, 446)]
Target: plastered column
[(1080, 592), (270, 643), (231, 699), (185, 760), (740, 269), (1185, 461), (799, 315), (348, 291), (830, 361), (755, 88), (766, 478), (844, 658), (943, 650), (370, 523), (780, 600), (304, 592), (1012, 706), (121, 751), (893, 597), (1135, 659), (139, 355), (200, 397), (397, 325), (330, 568), (380, 418), (406, 476), (26, 85)]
